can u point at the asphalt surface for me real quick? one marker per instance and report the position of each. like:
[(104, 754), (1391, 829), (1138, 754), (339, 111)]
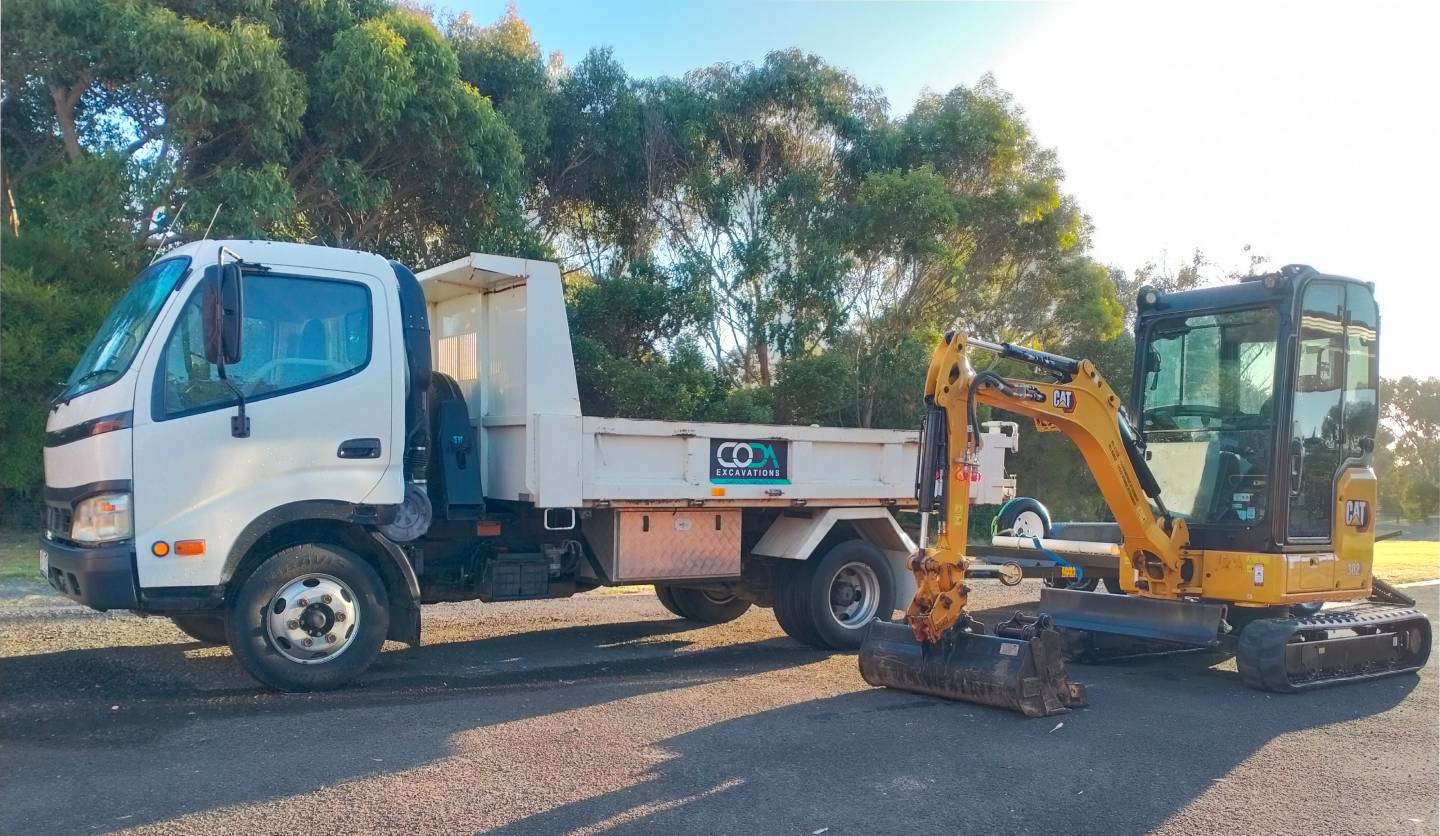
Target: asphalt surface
[(605, 714)]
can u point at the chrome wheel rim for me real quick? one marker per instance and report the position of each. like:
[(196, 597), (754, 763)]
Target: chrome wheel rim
[(312, 619), (854, 595), (717, 597)]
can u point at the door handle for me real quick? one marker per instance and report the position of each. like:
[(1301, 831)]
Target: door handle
[(359, 448), (1297, 467)]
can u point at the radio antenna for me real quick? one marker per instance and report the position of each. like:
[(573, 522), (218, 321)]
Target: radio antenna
[(211, 225)]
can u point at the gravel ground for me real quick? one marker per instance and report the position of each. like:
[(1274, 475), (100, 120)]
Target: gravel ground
[(602, 713)]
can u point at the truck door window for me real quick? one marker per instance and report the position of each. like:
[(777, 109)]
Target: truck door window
[(1316, 422), (298, 333)]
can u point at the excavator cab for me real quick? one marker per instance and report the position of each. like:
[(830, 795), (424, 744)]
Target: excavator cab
[(1255, 401)]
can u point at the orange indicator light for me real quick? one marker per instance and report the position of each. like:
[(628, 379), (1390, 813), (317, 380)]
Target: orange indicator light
[(160, 548), (189, 548)]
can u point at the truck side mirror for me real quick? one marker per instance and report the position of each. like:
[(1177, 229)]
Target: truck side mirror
[(222, 307)]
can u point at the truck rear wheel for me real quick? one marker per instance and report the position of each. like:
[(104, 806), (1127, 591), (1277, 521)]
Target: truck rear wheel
[(310, 618), (707, 606), (667, 599), (206, 629), (829, 603)]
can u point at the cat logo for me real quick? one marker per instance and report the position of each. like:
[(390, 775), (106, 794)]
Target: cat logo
[(1063, 399), (1357, 514)]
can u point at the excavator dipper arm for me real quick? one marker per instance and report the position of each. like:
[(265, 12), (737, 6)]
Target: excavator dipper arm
[(1079, 403)]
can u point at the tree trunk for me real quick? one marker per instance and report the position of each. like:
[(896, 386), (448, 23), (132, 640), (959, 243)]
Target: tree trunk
[(8, 214), (65, 99), (762, 354)]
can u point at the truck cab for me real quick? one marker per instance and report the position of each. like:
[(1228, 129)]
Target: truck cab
[(290, 448)]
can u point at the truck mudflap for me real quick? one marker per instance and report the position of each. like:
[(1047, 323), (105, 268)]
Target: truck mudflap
[(1021, 669), (1184, 622)]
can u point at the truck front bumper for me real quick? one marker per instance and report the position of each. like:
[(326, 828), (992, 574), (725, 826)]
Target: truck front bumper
[(100, 577)]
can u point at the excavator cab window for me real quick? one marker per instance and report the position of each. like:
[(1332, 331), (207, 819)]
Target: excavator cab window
[(1207, 413)]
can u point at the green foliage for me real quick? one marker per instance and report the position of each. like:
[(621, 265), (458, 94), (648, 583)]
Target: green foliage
[(53, 300), (1407, 454), (1422, 500), (856, 382), (503, 62), (982, 517)]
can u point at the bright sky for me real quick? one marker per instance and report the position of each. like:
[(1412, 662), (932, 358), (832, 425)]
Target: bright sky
[(1309, 131)]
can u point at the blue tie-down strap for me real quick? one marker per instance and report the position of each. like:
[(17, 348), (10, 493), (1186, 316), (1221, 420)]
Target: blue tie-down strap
[(1059, 561)]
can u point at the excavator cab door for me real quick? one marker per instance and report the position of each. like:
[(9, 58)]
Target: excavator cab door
[(1334, 404)]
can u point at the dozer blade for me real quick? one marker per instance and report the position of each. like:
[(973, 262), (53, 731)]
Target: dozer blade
[(1025, 675), (1184, 622)]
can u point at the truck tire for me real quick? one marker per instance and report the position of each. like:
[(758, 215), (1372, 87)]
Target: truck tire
[(667, 599), (317, 593), (206, 629), (829, 603), (706, 606)]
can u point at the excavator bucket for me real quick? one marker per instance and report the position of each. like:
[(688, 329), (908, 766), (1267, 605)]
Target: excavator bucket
[(1021, 668)]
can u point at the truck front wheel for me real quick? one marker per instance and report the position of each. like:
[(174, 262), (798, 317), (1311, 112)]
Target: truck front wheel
[(829, 603), (206, 629), (310, 618), (707, 606)]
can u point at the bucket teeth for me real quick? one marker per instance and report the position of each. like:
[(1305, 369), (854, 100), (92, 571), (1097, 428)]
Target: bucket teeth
[(1019, 674)]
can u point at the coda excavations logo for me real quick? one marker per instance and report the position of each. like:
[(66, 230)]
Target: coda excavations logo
[(741, 462)]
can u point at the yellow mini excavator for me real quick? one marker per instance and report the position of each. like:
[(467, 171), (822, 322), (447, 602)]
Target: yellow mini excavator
[(1243, 499)]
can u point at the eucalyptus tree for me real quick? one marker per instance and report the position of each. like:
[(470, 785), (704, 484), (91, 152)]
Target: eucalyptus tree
[(343, 122), (111, 105), (756, 207), (606, 162)]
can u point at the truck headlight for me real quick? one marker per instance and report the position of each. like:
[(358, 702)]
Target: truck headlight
[(101, 518)]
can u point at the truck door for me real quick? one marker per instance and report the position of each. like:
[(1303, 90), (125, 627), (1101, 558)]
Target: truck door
[(316, 375)]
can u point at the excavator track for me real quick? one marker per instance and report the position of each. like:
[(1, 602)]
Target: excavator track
[(1351, 643)]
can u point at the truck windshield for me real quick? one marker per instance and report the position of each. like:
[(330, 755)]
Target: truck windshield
[(109, 355), (1207, 404)]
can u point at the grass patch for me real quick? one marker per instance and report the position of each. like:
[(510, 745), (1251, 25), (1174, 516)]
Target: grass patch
[(1402, 561), (19, 553)]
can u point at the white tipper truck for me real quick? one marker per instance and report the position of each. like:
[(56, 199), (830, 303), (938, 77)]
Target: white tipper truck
[(291, 448)]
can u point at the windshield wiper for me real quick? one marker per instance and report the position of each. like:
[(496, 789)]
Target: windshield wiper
[(65, 396), (94, 373)]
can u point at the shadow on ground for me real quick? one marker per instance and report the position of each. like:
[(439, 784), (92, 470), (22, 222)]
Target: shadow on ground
[(192, 734)]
